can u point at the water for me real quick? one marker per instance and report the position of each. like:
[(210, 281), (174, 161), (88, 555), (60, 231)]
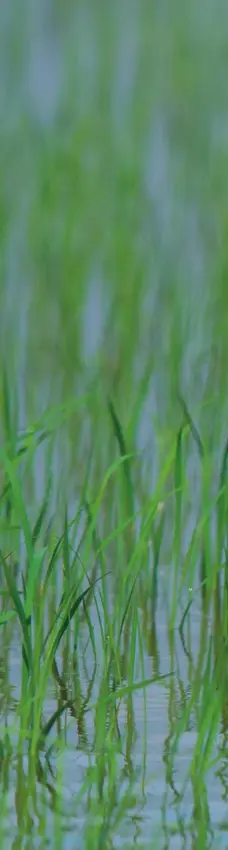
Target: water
[(147, 729)]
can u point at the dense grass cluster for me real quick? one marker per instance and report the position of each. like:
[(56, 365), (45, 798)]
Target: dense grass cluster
[(83, 588)]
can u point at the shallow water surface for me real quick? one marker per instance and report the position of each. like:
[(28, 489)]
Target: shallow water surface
[(159, 810)]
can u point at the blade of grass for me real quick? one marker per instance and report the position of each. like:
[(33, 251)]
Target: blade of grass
[(6, 616), (178, 488), (19, 503), (118, 432), (66, 612), (119, 693), (157, 537), (192, 426), (11, 584)]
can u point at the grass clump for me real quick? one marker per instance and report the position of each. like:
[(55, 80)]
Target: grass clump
[(81, 609)]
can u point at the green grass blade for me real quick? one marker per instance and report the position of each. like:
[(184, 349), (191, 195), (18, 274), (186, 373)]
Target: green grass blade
[(125, 690), (178, 491), (34, 573), (6, 616), (19, 503), (192, 426), (118, 432), (40, 520), (11, 584)]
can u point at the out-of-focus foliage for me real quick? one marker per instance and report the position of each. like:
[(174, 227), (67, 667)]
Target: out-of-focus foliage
[(113, 203)]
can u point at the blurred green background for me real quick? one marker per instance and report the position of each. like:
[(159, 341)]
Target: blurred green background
[(113, 211)]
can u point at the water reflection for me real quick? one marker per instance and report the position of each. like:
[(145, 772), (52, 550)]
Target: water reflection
[(116, 763)]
